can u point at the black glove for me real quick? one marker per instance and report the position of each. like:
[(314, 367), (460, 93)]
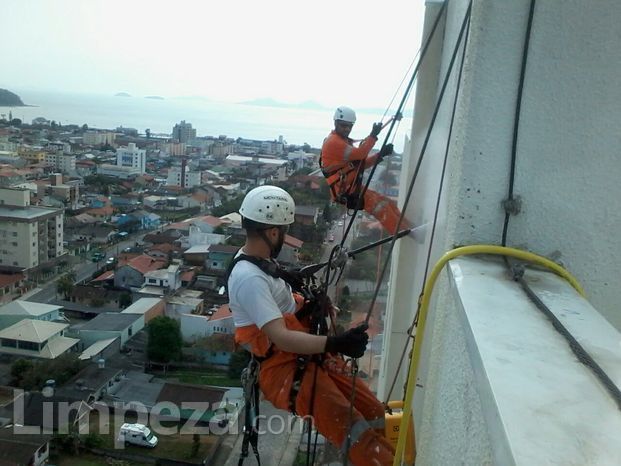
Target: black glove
[(386, 150), (377, 128), (352, 343)]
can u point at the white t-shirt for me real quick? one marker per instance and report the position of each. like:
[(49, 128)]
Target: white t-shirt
[(257, 298)]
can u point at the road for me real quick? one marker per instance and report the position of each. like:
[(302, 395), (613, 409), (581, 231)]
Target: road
[(83, 271)]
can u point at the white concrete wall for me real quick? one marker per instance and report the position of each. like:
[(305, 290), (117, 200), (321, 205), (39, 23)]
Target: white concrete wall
[(567, 171)]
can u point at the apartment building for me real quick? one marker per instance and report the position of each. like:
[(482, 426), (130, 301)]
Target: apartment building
[(183, 132), (132, 156), (64, 163), (98, 138), (29, 235), (176, 177)]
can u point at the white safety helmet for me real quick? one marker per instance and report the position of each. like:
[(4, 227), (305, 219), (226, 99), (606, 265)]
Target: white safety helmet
[(345, 114), (268, 205)]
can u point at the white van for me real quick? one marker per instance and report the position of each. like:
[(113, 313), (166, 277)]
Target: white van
[(137, 434)]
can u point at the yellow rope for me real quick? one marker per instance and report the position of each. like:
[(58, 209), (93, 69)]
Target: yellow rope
[(424, 307)]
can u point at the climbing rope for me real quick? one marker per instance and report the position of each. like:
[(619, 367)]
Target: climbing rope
[(511, 204), (405, 97), (436, 211)]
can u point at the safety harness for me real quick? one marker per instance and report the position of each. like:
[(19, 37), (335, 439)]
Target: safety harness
[(336, 174), (250, 375)]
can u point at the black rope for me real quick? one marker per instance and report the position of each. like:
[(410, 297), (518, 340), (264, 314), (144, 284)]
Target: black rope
[(394, 121), (583, 356), (437, 208), (422, 154), (516, 124)]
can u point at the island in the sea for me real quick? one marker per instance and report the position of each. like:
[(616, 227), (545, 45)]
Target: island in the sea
[(122, 94), (9, 99), (155, 97)]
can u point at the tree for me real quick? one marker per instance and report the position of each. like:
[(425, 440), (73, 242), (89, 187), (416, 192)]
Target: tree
[(65, 285), (18, 370), (125, 300), (16, 122), (196, 445), (84, 127), (238, 362), (164, 340)]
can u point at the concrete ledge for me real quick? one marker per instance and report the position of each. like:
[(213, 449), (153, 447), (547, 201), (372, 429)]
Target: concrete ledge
[(539, 403)]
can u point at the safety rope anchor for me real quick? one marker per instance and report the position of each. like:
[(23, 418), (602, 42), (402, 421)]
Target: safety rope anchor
[(512, 206)]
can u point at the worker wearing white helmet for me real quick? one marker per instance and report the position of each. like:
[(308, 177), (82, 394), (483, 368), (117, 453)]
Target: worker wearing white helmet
[(273, 324), (343, 166)]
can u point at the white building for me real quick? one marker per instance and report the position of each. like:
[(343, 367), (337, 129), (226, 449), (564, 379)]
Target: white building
[(36, 339), (123, 173), (494, 381), (132, 156), (29, 235), (192, 178), (17, 310), (98, 138), (64, 163)]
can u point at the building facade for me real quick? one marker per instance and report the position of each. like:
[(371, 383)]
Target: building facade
[(183, 132), (132, 156), (29, 235)]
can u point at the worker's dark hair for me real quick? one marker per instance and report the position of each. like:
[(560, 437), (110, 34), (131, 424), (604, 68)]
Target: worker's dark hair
[(253, 228)]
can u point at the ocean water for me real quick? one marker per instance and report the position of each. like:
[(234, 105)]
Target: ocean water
[(296, 125)]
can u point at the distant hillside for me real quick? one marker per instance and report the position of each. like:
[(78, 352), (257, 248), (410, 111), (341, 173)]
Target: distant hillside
[(8, 99), (122, 94), (155, 97)]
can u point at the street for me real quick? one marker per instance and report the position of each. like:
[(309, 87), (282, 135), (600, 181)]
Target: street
[(83, 271)]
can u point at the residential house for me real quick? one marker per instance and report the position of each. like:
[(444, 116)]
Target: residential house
[(290, 250), (204, 323), (184, 302), (163, 251), (148, 307), (131, 275), (11, 283), (169, 236), (101, 349), (94, 234), (161, 282), (102, 214), (47, 411), (306, 215), (220, 256), (110, 325), (36, 339), (92, 383), (22, 449), (15, 311)]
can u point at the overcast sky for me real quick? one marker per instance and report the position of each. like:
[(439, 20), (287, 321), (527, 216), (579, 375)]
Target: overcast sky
[(328, 51)]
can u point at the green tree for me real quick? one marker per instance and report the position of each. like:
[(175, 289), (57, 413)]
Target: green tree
[(164, 340), (16, 122), (125, 300), (19, 369), (239, 360), (65, 285)]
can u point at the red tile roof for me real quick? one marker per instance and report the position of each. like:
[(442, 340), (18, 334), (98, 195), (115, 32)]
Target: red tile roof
[(104, 276), (144, 264), (293, 241), (6, 280), (222, 313)]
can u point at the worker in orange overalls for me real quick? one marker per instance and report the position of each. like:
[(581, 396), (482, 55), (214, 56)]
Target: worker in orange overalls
[(343, 165), (264, 312)]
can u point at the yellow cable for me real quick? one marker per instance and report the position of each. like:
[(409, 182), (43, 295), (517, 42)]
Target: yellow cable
[(422, 318)]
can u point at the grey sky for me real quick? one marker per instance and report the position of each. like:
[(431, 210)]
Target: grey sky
[(329, 51)]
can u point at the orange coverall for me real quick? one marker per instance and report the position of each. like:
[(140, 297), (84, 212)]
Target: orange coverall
[(341, 161), (332, 397)]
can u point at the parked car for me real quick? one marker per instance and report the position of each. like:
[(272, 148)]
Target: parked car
[(137, 434), (98, 256)]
